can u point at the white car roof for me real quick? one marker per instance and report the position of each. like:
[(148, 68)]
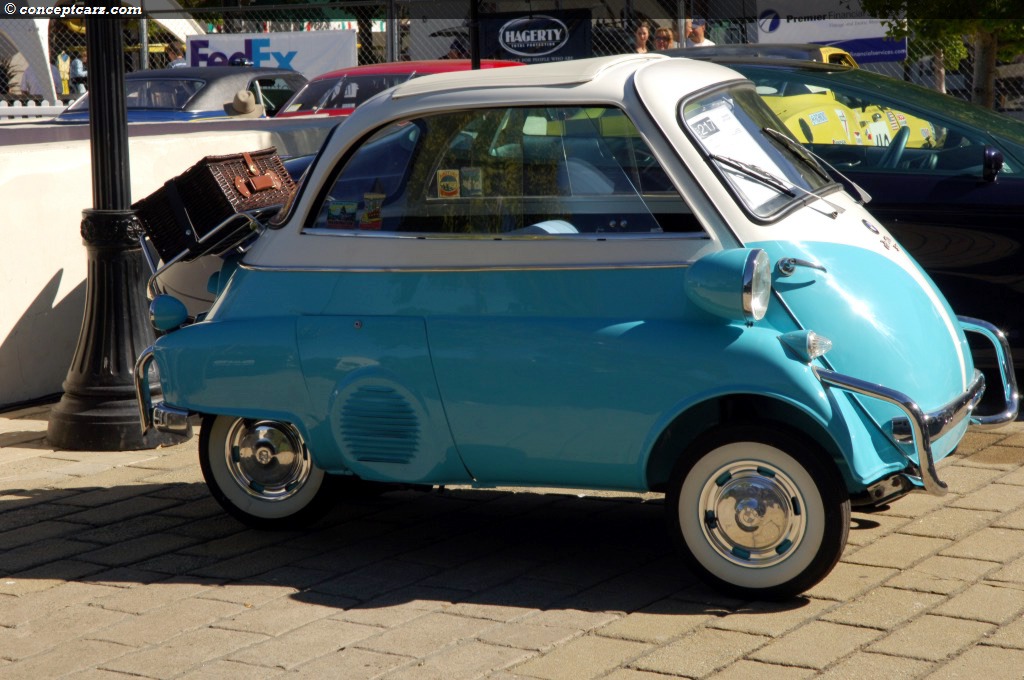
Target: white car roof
[(571, 72), (599, 80), (693, 75)]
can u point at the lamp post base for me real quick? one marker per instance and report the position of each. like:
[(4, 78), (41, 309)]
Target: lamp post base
[(98, 411)]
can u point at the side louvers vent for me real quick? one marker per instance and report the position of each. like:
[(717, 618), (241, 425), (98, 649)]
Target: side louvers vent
[(379, 426)]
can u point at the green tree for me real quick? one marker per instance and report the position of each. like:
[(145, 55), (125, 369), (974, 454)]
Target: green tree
[(994, 27)]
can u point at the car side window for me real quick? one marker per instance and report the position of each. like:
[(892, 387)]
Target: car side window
[(274, 91), (508, 172)]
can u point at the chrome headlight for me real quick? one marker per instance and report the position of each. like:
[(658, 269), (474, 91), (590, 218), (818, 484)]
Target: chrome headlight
[(757, 285), (735, 284)]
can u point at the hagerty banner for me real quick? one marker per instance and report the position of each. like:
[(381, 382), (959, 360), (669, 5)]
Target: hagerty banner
[(555, 35)]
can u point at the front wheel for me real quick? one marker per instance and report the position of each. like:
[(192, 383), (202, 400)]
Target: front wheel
[(261, 472), (757, 512)]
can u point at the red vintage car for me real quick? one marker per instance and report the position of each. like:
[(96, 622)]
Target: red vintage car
[(338, 93)]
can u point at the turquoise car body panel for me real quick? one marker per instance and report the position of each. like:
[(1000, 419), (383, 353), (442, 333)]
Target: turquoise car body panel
[(883, 320), (394, 375)]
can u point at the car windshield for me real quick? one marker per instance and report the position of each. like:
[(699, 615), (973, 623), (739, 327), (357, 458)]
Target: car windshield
[(346, 92), (160, 94), (745, 142)]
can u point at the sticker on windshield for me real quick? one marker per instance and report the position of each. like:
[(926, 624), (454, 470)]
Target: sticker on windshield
[(448, 183), (342, 214), (472, 181), (705, 127), (818, 117), (842, 121), (370, 218), (742, 157)]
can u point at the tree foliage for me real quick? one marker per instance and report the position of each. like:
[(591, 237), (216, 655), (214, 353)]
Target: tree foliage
[(995, 28)]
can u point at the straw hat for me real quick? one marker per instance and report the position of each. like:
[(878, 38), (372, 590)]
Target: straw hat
[(244, 105)]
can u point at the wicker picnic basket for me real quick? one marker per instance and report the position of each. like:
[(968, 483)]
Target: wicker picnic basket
[(180, 216)]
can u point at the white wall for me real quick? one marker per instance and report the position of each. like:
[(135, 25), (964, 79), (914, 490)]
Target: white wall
[(44, 186)]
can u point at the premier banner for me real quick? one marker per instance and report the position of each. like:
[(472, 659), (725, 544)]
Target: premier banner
[(837, 24)]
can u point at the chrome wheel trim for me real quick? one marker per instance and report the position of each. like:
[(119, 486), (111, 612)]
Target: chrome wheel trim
[(267, 459), (753, 513), (742, 573)]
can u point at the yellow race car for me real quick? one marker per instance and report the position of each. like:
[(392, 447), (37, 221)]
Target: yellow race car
[(816, 115)]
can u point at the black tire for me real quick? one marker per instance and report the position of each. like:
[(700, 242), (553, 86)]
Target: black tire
[(758, 512), (261, 473)]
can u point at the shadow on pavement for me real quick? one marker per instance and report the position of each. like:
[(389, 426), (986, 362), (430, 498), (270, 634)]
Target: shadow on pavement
[(473, 547)]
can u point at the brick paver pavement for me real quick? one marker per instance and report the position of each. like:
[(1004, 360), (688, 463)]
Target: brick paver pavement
[(120, 565)]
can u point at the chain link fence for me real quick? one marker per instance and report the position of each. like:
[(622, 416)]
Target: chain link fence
[(391, 30)]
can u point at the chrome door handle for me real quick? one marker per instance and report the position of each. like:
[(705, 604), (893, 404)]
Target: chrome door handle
[(787, 265)]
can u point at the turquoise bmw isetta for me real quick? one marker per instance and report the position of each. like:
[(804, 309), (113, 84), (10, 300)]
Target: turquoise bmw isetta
[(617, 273)]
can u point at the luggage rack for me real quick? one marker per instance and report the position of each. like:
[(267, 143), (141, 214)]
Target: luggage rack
[(238, 232)]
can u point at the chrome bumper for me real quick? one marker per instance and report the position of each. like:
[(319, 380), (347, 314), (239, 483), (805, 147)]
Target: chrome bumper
[(160, 417), (1011, 397), (920, 429)]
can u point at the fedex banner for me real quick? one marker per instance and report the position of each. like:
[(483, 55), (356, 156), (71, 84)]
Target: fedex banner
[(838, 23), (308, 52)]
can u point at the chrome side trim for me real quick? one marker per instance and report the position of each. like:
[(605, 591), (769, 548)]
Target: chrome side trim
[(944, 419), (316, 269), (1011, 397), (916, 420), (481, 238), (142, 392)]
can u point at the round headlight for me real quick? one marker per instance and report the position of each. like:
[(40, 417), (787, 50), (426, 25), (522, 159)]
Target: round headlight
[(757, 285), (734, 283)]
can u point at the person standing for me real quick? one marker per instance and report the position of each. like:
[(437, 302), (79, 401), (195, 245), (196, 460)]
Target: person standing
[(665, 38), (78, 73), (175, 55), (643, 34), (695, 33)]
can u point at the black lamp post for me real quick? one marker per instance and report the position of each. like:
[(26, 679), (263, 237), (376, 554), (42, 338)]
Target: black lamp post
[(474, 34), (98, 411)]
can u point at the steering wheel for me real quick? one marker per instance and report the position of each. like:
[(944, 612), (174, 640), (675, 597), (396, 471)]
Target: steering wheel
[(894, 152)]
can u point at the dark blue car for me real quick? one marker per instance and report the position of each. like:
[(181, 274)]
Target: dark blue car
[(191, 93)]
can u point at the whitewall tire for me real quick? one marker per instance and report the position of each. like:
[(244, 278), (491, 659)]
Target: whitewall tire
[(758, 512), (261, 472)]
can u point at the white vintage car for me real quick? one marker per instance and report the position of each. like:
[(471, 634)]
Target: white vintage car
[(616, 273)]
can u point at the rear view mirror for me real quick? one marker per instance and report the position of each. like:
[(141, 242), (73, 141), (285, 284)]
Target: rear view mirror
[(992, 163)]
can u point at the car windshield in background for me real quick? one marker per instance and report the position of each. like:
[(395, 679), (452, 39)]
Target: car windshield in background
[(162, 94), (343, 93), (860, 122), (741, 137)]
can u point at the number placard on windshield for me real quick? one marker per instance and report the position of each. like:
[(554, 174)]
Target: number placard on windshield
[(764, 176)]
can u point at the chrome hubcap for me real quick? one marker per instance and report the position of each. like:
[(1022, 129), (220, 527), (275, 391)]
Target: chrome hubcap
[(753, 513), (267, 459)]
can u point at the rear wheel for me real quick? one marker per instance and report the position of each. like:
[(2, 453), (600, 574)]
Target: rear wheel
[(759, 513), (261, 472)]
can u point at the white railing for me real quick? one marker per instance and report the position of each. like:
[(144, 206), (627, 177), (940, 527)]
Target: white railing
[(31, 109)]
